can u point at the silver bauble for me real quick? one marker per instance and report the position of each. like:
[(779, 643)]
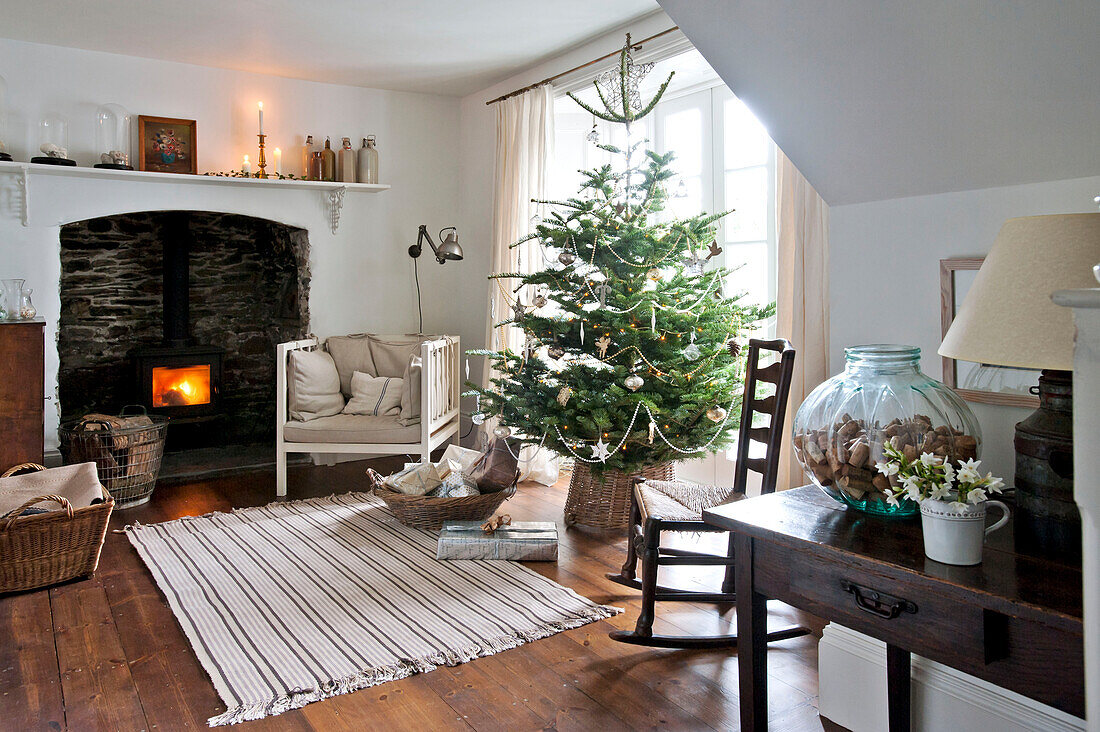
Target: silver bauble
[(633, 382), (555, 351), (477, 418), (716, 414), (567, 258), (540, 301), (501, 432)]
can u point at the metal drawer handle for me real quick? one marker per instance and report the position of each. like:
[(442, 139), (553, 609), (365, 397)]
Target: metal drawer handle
[(878, 603)]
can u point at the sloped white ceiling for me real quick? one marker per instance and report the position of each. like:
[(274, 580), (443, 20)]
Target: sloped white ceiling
[(438, 46), (876, 99)]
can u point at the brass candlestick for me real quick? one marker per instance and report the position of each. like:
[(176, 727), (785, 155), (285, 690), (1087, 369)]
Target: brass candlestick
[(262, 160)]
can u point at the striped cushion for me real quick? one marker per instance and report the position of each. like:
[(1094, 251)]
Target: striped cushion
[(375, 396)]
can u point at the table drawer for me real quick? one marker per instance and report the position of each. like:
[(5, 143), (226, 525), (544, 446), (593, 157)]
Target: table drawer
[(893, 608)]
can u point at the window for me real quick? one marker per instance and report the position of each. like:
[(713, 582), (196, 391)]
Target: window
[(724, 159)]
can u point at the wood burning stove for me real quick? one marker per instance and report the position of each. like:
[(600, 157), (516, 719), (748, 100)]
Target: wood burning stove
[(178, 378), (179, 382)]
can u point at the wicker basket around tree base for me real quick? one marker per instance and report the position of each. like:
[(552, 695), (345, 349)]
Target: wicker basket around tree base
[(603, 501)]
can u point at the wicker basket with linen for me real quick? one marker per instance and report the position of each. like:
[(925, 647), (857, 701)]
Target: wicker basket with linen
[(424, 512), (46, 548)]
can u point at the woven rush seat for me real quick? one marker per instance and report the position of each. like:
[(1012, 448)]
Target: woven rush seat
[(678, 501)]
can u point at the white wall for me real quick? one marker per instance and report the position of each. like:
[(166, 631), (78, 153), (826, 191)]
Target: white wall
[(362, 276), (884, 274)]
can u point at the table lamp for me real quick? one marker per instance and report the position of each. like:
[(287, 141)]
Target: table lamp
[(1008, 319)]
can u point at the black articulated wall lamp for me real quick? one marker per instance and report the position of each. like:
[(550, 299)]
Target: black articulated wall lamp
[(448, 249)]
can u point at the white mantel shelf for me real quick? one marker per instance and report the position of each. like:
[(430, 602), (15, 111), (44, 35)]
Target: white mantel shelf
[(333, 191)]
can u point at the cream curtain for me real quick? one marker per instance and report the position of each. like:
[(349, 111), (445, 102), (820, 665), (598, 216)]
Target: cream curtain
[(802, 303), (525, 141)]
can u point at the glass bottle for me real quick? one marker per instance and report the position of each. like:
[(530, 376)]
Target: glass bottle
[(316, 165), (347, 162), (26, 305), (328, 162), (881, 396), (307, 155), (368, 161)]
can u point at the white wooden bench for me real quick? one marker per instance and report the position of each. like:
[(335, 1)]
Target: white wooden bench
[(354, 434)]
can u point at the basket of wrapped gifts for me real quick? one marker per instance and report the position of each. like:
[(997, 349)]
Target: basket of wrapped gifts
[(465, 485)]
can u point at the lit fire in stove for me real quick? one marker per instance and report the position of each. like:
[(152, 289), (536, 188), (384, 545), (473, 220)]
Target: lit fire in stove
[(180, 387)]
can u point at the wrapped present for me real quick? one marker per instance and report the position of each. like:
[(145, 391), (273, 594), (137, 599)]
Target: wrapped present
[(520, 541)]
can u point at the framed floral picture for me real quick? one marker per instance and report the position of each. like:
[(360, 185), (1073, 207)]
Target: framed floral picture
[(167, 145)]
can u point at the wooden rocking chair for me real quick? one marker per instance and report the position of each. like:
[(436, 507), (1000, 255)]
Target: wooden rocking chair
[(659, 506)]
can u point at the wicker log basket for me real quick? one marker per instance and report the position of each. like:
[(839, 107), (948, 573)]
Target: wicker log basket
[(603, 501), (422, 512), (51, 547)]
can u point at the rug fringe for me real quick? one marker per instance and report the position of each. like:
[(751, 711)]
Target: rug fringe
[(372, 677)]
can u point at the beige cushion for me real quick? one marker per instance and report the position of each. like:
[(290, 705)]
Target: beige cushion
[(314, 385), (377, 355), (374, 395), (351, 429), (351, 353), (391, 353), (410, 391)]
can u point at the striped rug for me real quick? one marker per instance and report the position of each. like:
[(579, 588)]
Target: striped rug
[(294, 602)]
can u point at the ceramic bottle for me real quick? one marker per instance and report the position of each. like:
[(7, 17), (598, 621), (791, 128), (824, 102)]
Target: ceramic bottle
[(328, 162), (346, 160), (368, 161)]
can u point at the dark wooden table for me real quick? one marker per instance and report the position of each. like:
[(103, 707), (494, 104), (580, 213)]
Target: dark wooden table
[(1014, 620)]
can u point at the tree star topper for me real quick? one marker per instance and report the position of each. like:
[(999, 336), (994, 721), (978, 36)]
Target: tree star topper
[(618, 90)]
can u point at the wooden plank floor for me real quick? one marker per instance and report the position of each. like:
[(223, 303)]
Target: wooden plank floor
[(106, 653)]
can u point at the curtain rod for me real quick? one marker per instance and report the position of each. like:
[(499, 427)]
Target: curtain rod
[(555, 77)]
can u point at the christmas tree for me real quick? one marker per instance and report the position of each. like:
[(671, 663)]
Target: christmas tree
[(630, 357)]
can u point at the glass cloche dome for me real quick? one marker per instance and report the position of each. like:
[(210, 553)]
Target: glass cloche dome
[(112, 137), (53, 140)]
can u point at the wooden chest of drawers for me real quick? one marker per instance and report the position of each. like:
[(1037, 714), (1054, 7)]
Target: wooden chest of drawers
[(22, 392)]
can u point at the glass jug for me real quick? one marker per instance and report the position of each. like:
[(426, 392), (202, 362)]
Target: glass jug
[(26, 305), (10, 291)]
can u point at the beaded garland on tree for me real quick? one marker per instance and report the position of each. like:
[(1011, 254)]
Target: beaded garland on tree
[(657, 379)]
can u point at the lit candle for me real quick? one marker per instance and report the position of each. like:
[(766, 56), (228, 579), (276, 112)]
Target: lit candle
[(246, 167), (278, 161), (261, 118)]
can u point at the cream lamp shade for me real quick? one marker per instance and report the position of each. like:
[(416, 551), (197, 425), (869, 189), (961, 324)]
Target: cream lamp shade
[(1007, 318)]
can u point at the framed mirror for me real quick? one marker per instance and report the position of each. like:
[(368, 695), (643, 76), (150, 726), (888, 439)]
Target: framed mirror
[(979, 382)]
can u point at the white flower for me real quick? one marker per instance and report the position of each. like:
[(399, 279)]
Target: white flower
[(976, 496), (887, 469), (948, 471), (993, 485), (929, 460), (892, 499), (968, 474), (939, 492), (912, 486), (959, 506)]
